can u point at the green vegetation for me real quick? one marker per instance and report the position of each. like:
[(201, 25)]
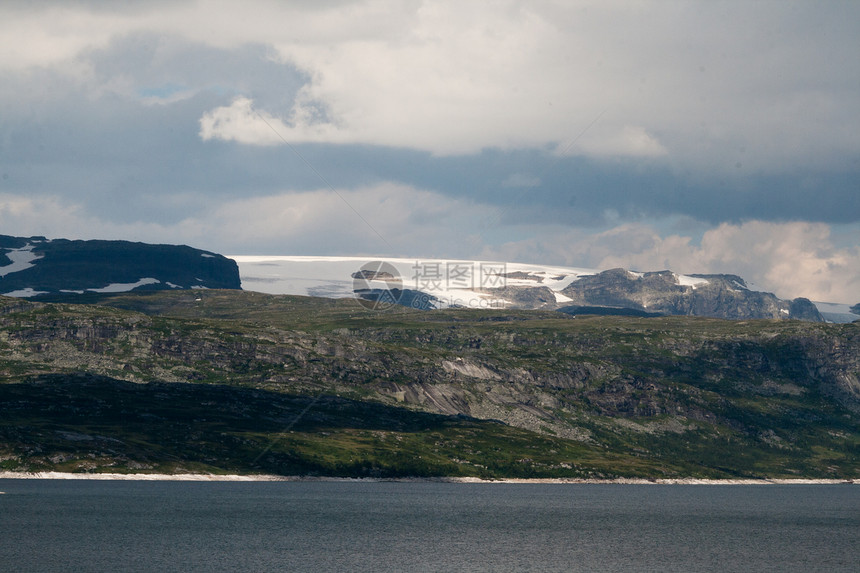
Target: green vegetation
[(239, 382)]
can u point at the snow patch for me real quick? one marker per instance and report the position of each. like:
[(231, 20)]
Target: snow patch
[(125, 287), (560, 298), (21, 259), (25, 292), (686, 280), (207, 256)]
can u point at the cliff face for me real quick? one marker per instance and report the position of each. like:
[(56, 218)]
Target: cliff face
[(37, 266), (718, 296)]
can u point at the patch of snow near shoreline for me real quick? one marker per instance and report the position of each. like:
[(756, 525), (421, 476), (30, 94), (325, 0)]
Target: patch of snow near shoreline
[(21, 259), (125, 287)]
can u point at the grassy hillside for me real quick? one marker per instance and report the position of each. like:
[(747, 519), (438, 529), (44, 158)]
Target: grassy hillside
[(226, 381)]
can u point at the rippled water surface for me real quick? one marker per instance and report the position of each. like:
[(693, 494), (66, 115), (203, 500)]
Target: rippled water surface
[(347, 526)]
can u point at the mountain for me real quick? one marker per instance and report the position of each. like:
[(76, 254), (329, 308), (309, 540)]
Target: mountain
[(36, 266), (41, 268), (664, 292), (440, 283), (231, 381)]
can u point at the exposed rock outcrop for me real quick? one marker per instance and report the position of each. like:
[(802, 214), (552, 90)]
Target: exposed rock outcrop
[(718, 296)]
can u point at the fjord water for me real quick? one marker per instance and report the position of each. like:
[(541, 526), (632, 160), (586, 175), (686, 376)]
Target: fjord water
[(81, 525)]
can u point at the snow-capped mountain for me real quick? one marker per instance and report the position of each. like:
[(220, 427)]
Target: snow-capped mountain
[(36, 266), (443, 283)]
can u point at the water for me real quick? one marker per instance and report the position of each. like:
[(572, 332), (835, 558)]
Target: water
[(346, 526)]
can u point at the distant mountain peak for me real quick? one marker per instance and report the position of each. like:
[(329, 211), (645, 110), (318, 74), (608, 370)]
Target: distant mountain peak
[(444, 283), (36, 266)]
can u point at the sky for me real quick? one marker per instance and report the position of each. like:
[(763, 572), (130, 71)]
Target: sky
[(701, 137)]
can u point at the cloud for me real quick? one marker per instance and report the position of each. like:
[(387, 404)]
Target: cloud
[(56, 217), (790, 259), (387, 219), (707, 85), (521, 180), (701, 85), (240, 122), (629, 141), (565, 132)]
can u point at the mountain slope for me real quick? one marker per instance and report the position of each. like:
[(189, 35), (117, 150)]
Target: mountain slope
[(37, 266), (597, 396)]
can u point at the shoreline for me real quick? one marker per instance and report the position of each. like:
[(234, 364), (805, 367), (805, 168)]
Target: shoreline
[(454, 480)]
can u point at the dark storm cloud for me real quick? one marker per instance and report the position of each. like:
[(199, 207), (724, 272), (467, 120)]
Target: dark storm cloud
[(579, 191)]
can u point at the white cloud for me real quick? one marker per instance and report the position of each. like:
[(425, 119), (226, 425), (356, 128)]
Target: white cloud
[(55, 217), (629, 141), (709, 85), (384, 219), (708, 88), (788, 259), (712, 85), (240, 122), (53, 36)]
